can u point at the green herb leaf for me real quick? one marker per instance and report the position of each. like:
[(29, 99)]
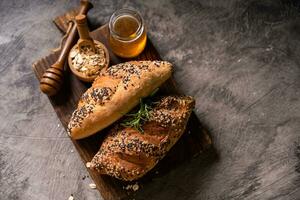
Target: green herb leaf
[(137, 119)]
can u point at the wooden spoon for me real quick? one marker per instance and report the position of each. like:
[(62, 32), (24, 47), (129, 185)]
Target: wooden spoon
[(84, 41)]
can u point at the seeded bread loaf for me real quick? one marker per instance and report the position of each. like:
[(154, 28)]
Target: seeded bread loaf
[(128, 154), (114, 93)]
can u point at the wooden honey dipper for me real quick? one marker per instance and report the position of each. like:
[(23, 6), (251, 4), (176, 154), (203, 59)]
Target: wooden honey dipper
[(52, 79)]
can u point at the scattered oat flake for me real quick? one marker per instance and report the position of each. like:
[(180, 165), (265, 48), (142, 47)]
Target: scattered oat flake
[(88, 164), (92, 185), (72, 151), (71, 197), (134, 187)]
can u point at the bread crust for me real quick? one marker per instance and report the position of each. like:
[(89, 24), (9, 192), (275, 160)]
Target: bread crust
[(128, 154), (114, 93)]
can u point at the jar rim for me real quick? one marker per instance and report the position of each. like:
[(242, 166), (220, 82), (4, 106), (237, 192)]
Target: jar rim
[(132, 13)]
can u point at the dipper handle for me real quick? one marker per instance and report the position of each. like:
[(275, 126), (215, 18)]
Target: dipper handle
[(52, 79)]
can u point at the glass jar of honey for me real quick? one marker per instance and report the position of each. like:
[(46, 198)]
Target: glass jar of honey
[(127, 36)]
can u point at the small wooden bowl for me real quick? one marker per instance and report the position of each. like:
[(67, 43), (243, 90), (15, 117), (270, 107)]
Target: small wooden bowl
[(82, 76)]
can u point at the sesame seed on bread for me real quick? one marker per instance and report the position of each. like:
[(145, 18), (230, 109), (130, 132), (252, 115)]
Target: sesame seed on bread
[(114, 93), (128, 154)]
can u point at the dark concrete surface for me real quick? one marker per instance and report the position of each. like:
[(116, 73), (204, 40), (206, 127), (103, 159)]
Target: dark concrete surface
[(239, 59)]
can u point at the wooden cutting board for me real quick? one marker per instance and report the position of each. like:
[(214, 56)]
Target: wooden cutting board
[(193, 142)]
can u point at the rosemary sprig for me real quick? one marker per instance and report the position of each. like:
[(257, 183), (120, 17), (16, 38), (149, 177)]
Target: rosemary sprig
[(136, 120)]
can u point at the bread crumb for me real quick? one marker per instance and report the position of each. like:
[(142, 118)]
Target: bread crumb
[(88, 164), (71, 197), (72, 151), (92, 185)]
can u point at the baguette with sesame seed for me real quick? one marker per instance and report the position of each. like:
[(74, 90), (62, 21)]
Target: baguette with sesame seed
[(115, 92), (128, 154)]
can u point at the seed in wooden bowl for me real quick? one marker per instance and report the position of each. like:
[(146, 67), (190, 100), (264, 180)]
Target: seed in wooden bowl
[(88, 62)]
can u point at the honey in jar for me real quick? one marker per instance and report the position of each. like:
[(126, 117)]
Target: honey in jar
[(127, 33)]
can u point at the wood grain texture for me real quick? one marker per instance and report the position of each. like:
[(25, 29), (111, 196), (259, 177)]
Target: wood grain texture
[(62, 21), (195, 140), (239, 59)]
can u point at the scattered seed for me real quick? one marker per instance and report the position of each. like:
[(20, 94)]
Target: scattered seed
[(92, 185), (88, 164), (133, 187)]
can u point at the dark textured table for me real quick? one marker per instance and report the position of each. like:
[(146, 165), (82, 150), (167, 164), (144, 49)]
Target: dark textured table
[(239, 59)]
